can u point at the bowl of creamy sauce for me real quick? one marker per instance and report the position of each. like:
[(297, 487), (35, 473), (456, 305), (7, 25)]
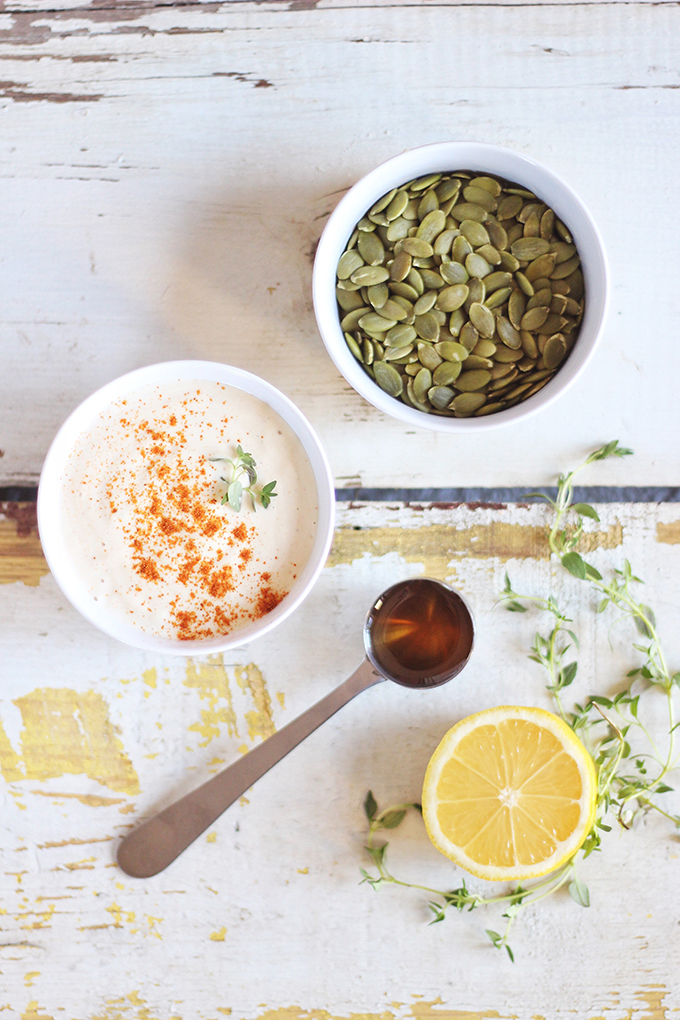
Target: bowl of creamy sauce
[(144, 529)]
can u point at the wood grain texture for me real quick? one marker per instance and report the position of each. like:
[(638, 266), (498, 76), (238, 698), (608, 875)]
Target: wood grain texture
[(263, 918), (166, 172)]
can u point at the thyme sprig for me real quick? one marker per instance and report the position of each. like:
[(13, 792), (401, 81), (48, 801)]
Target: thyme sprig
[(632, 762), (243, 468)]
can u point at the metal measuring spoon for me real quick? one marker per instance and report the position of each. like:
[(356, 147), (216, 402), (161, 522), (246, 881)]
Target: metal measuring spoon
[(418, 633)]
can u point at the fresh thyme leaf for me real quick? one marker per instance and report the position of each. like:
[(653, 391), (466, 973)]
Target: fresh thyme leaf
[(585, 510), (391, 819), (242, 470), (370, 806), (579, 892), (575, 564)]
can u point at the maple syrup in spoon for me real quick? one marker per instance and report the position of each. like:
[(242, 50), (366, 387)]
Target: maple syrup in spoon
[(419, 633)]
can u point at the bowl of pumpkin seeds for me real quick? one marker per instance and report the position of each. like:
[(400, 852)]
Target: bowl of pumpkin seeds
[(460, 286)]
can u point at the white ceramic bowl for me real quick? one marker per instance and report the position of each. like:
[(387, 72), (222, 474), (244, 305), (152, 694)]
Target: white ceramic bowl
[(447, 156), (52, 533)]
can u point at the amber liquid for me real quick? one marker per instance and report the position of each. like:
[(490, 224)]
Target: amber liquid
[(421, 633)]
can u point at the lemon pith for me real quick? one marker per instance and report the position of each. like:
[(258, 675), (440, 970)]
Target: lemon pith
[(510, 793)]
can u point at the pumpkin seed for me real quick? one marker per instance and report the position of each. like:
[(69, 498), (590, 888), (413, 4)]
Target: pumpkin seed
[(397, 353), (388, 378), (427, 326), (400, 335), (477, 266), (498, 405), (348, 262), (489, 184), (497, 235), (443, 242), (491, 254), (540, 297), (453, 272), (375, 323), (469, 211), (428, 357), (450, 298), (482, 319), (508, 334), (418, 247), (460, 249), (498, 298), (474, 232), (466, 404), (474, 380), (534, 318), (348, 299), (446, 373), (565, 269), (440, 396), (498, 279), (540, 267), (484, 348), (516, 307), (425, 302), (351, 320), (526, 249), (354, 347), (367, 276), (431, 226), (475, 361)]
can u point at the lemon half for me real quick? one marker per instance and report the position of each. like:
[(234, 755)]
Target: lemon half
[(510, 793)]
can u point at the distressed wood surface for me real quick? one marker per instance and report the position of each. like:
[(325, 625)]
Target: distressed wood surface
[(167, 169), (263, 918)]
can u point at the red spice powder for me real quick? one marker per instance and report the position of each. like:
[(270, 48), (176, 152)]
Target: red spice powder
[(175, 507)]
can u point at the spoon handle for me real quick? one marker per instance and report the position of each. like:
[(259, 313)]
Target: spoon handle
[(157, 842)]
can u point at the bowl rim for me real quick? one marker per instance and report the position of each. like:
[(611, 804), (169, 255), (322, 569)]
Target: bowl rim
[(49, 488), (441, 156)]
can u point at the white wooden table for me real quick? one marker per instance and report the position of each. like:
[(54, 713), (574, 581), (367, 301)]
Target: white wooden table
[(166, 172)]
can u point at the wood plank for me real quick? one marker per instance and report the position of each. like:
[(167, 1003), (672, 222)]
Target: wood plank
[(167, 172)]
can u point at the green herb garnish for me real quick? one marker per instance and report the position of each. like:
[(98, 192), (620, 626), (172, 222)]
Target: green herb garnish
[(629, 781), (242, 469)]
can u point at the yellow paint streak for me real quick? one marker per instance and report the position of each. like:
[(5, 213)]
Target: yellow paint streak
[(30, 977), (281, 698), (150, 677), (21, 556), (669, 533), (82, 865), (209, 678), (10, 763), (74, 842), (67, 731), (90, 799), (438, 546), (260, 721), (211, 837), (218, 936), (33, 1014), (303, 871), (653, 996)]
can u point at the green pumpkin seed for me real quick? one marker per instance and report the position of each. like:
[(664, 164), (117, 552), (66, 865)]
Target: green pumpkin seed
[(404, 290), (499, 386), (373, 322), (534, 318), (547, 224), (446, 373), (351, 320), (450, 298), (466, 404), (427, 326), (421, 384), (398, 353), (501, 370), (540, 297), (474, 232), (467, 382), (388, 378), (456, 321), (516, 307), (480, 196), (418, 247), (448, 190), (397, 205), (540, 269), (421, 183), (497, 235), (509, 262), (526, 249), (398, 230), (475, 361), (477, 266), (382, 203), (431, 226), (526, 364), (451, 351), (482, 319), (460, 249), (552, 324), (443, 242), (415, 280), (529, 345), (496, 280), (565, 269), (491, 254), (498, 405), (428, 203), (431, 280), (400, 267), (469, 211), (348, 300), (489, 184), (367, 276), (453, 272), (484, 348), (425, 302), (476, 293), (371, 249), (524, 285), (377, 295), (354, 347), (469, 337), (428, 357), (562, 231), (532, 225), (400, 335), (440, 396), (367, 351), (507, 354), (509, 207), (347, 263), (508, 334), (498, 298)]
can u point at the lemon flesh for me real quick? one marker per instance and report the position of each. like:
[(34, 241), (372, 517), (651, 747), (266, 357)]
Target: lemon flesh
[(510, 793)]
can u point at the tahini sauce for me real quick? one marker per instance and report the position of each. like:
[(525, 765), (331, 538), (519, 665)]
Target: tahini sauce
[(142, 510)]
